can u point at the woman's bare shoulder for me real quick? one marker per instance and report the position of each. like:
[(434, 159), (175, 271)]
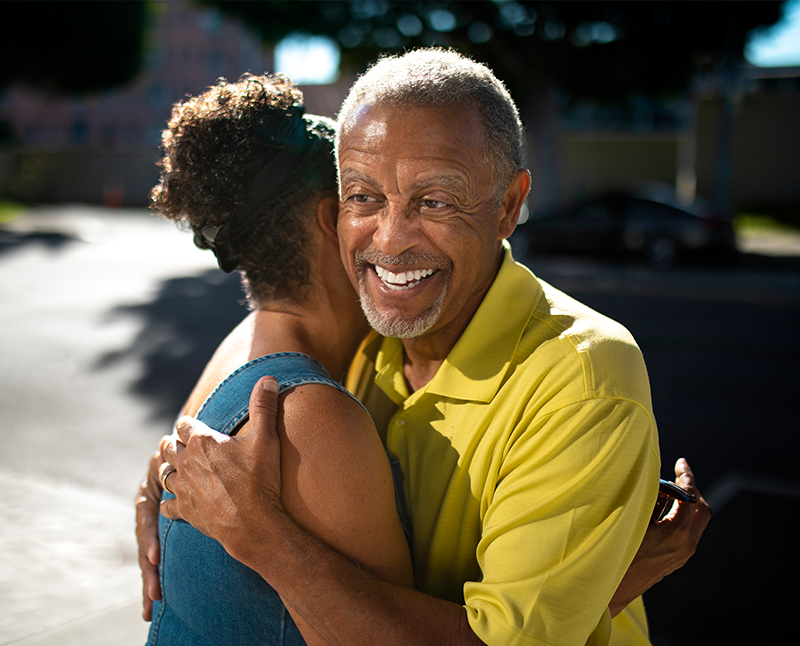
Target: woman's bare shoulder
[(337, 482), (320, 413)]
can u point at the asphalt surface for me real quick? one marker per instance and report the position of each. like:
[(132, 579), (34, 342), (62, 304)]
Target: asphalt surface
[(107, 317)]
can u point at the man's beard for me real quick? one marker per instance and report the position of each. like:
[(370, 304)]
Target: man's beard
[(393, 324)]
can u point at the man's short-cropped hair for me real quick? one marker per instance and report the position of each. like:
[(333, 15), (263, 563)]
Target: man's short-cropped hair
[(439, 77)]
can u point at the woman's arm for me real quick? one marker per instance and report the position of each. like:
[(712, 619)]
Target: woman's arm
[(336, 481), (148, 500)]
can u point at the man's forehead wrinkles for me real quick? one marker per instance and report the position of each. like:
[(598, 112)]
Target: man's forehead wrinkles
[(451, 182)]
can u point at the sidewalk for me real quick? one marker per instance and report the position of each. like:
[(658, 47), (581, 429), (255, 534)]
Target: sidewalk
[(777, 243), (69, 567), (76, 433), (115, 626)]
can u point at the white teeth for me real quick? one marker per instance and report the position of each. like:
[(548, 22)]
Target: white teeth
[(402, 281)]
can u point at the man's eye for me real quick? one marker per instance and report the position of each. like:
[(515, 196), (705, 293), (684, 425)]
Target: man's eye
[(362, 199), (433, 204)]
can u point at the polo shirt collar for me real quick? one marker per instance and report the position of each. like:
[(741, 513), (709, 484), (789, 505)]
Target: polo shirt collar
[(477, 364)]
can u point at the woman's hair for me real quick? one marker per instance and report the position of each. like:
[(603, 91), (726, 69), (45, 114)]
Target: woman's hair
[(248, 149)]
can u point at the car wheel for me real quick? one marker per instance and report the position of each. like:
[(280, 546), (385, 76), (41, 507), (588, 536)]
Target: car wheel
[(661, 252)]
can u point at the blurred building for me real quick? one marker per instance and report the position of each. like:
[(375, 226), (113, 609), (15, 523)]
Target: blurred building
[(763, 140), (734, 143), (103, 148)]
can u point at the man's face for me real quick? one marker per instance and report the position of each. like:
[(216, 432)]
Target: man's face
[(418, 232)]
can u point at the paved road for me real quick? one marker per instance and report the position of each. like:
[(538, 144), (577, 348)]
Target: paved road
[(106, 318)]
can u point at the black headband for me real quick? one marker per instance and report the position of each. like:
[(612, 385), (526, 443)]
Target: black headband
[(264, 183)]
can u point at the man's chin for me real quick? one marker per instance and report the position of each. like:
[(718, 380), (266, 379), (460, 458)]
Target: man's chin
[(396, 326)]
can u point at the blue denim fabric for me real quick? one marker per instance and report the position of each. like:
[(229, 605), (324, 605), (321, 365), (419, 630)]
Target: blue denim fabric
[(210, 599)]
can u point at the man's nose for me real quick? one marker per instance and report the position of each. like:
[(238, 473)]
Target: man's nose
[(397, 230)]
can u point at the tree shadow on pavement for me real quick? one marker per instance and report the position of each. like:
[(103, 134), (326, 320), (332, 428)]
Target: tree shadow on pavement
[(15, 240), (182, 326)]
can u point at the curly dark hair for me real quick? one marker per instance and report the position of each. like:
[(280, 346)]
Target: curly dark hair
[(213, 146)]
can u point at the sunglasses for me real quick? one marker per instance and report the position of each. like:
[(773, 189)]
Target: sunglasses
[(667, 493)]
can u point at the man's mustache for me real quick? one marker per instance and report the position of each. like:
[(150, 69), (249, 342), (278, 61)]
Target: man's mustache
[(407, 258)]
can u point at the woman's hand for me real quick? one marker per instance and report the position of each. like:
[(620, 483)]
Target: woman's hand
[(667, 545), (147, 509)]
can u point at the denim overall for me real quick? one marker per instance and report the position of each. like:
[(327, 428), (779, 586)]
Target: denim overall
[(210, 599)]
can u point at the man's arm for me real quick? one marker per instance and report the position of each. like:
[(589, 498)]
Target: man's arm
[(667, 545), (342, 602), (448, 617)]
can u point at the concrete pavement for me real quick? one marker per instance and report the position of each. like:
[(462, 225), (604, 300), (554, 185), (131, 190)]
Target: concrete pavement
[(69, 566), (76, 434)]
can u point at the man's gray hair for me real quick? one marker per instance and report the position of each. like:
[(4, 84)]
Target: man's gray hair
[(438, 77)]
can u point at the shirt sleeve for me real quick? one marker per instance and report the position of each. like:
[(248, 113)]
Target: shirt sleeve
[(570, 504)]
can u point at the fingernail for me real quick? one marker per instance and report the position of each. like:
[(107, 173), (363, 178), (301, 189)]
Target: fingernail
[(269, 383)]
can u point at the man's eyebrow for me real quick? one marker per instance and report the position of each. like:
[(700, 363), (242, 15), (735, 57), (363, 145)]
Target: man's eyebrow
[(353, 175), (448, 182)]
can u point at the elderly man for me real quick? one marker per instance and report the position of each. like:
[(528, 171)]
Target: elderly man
[(521, 418)]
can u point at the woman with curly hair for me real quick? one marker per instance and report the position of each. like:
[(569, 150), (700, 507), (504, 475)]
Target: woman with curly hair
[(254, 179)]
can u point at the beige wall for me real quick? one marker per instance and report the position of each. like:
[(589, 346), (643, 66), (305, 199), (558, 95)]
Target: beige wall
[(765, 155), (603, 162), (765, 151)]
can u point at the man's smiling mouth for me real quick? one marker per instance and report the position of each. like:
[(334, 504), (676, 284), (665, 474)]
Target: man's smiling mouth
[(404, 279)]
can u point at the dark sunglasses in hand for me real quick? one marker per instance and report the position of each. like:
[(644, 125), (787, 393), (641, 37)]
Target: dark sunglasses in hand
[(667, 492)]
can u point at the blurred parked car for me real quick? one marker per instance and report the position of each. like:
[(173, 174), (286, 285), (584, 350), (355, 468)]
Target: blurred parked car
[(652, 224)]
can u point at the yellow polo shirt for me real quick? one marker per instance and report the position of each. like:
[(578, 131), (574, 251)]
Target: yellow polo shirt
[(531, 464)]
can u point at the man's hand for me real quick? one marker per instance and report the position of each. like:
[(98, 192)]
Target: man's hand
[(220, 481), (147, 503), (667, 545)]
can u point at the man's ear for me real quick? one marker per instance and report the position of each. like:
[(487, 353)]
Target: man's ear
[(513, 200), (328, 216)]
